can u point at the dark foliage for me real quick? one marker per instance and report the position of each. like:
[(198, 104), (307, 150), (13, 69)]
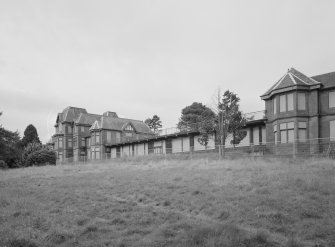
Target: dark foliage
[(37, 155), (198, 117), (154, 123), (9, 147), (3, 165), (30, 135)]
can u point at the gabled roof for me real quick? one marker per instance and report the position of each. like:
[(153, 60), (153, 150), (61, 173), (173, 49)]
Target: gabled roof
[(327, 80), (112, 123), (86, 118), (292, 78), (96, 125)]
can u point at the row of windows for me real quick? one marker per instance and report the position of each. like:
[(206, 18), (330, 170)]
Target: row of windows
[(286, 102), (286, 132), (68, 129), (79, 128)]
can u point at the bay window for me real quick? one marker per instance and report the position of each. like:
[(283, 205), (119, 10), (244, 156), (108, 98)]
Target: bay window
[(286, 132)]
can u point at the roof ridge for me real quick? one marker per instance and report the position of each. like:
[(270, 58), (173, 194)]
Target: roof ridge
[(129, 119), (323, 74), (299, 74)]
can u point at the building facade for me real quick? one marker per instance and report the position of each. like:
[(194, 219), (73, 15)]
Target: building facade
[(80, 135), (299, 118), (300, 110)]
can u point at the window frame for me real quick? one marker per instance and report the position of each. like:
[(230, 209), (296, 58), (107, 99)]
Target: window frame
[(275, 105), (331, 93), (285, 130), (60, 142), (284, 103), (83, 142), (304, 101), (332, 133), (97, 137), (69, 143)]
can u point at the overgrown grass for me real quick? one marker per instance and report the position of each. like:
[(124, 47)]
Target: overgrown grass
[(152, 202)]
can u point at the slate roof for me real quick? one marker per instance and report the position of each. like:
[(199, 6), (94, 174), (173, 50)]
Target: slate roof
[(292, 78), (69, 114), (327, 80), (112, 123), (86, 118)]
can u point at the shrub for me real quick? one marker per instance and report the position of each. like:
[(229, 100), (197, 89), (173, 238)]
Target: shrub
[(3, 165), (37, 155)]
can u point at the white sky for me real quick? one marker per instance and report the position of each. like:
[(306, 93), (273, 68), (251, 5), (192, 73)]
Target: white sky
[(140, 58)]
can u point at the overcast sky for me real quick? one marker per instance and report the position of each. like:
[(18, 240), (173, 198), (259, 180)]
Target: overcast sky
[(140, 58)]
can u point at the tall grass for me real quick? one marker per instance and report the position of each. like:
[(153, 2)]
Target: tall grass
[(177, 202)]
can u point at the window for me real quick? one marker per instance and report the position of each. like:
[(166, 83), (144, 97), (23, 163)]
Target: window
[(282, 100), (97, 137), (60, 127), (82, 128), (286, 132), (331, 99), (129, 128), (109, 136), (95, 153), (332, 130), (83, 142), (69, 143), (128, 134), (60, 142), (75, 143), (69, 129), (286, 103), (301, 101), (290, 102), (88, 142), (302, 131), (118, 136), (274, 106), (60, 155), (275, 133)]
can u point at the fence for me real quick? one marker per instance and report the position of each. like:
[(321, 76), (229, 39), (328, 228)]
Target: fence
[(319, 148)]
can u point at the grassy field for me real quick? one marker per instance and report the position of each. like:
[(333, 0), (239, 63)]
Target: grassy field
[(243, 202)]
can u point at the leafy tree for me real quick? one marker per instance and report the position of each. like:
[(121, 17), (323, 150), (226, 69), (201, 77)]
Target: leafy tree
[(198, 117), (9, 146), (35, 154), (230, 119), (30, 135), (154, 123)]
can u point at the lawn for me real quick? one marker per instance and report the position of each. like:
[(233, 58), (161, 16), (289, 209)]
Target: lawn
[(243, 202)]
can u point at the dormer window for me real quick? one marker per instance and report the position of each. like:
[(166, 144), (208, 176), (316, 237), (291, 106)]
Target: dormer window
[(129, 128)]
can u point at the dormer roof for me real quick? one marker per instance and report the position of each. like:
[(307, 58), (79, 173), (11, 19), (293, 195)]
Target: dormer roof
[(96, 125)]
